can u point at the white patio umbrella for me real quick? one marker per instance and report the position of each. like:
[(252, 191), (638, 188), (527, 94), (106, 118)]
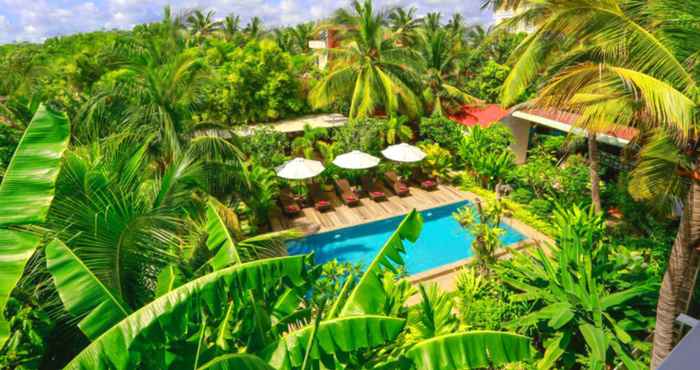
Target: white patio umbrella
[(356, 160), (403, 153), (300, 169)]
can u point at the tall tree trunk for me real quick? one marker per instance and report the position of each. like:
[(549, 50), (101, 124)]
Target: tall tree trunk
[(593, 157), (671, 300)]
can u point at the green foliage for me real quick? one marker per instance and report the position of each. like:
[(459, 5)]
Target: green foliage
[(265, 146), (483, 220), (360, 134), (578, 310), (437, 162), (441, 130), (521, 195), (541, 207), (485, 153), (26, 193), (488, 82), (258, 84)]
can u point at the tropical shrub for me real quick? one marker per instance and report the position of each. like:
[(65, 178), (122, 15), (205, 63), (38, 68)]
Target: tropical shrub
[(521, 195), (437, 162), (582, 318), (441, 130), (257, 84), (541, 207), (484, 222), (364, 134), (488, 83), (265, 146)]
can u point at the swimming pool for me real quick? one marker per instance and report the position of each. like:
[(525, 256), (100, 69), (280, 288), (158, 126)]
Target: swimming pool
[(442, 241)]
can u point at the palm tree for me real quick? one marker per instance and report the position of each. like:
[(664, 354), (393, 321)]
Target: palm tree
[(202, 24), (405, 24), (432, 21), (456, 28), (641, 81), (231, 27), (370, 68), (254, 28), (438, 55), (302, 34)]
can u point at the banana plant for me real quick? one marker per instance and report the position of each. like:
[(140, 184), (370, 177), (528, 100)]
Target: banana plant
[(26, 193), (576, 309)]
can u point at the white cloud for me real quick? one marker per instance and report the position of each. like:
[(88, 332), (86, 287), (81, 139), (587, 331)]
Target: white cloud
[(34, 20)]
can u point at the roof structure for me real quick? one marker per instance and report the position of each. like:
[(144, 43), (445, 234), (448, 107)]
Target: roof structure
[(564, 121), (482, 115), (297, 124)]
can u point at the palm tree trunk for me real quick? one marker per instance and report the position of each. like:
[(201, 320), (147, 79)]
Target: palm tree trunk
[(675, 281), (593, 157)]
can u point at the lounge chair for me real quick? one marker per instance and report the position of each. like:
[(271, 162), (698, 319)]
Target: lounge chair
[(321, 201), (346, 193), (375, 192), (425, 182), (290, 206), (399, 187)]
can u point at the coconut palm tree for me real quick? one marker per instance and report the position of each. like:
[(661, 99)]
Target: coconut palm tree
[(432, 21), (475, 35), (254, 28), (438, 55), (370, 68), (302, 34), (202, 24), (456, 28), (404, 23), (636, 73), (231, 26)]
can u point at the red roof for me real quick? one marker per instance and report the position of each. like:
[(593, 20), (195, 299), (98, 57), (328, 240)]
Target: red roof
[(625, 133), (483, 115)]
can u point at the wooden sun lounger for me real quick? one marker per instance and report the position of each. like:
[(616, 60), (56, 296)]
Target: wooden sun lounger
[(425, 182), (373, 189), (399, 187), (346, 193), (321, 201), (290, 207)]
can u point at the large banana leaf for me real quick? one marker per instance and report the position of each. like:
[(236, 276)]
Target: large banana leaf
[(27, 189), (238, 361), (26, 193), (82, 293), (15, 249), (339, 335), (369, 297), (220, 239), (476, 349), (165, 314)]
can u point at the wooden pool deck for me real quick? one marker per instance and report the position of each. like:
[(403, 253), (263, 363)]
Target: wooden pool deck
[(368, 210), (343, 216)]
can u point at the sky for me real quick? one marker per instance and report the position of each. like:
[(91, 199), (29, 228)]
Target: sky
[(36, 20)]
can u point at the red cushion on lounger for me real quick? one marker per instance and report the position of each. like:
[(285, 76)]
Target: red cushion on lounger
[(292, 208), (350, 198), (377, 193), (322, 203), (428, 183), (403, 188)]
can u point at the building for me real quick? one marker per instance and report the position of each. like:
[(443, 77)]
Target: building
[(523, 122)]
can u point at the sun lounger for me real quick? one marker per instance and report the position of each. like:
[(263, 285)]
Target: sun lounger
[(424, 181), (373, 189), (399, 187), (290, 206), (346, 193), (321, 201)]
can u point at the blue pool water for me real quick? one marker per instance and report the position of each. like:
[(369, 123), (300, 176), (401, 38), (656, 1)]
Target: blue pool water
[(442, 241)]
